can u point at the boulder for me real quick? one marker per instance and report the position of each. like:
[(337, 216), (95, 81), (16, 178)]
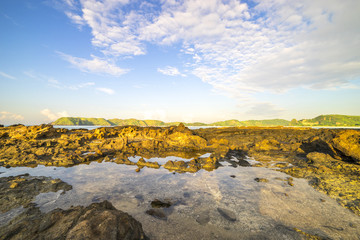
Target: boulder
[(348, 142), (97, 221)]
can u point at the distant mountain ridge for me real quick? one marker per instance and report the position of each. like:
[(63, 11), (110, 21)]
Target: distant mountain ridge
[(322, 120), (329, 120)]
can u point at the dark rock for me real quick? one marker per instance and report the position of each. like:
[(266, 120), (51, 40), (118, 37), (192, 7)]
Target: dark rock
[(233, 176), (261, 180), (203, 218), (161, 204), (157, 213), (227, 214), (97, 221), (139, 197), (186, 194)]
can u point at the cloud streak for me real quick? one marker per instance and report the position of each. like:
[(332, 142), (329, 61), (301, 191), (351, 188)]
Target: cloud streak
[(7, 76), (106, 90), (52, 82)]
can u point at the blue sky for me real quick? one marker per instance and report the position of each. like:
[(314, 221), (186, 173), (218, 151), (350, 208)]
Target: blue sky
[(178, 60)]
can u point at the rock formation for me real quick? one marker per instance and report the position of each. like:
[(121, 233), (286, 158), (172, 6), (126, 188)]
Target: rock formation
[(329, 158)]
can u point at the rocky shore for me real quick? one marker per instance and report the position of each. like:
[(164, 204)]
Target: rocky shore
[(328, 158), (97, 221)]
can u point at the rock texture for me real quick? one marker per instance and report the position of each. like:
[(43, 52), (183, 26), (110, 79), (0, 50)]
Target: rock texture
[(21, 190), (97, 221), (329, 158)]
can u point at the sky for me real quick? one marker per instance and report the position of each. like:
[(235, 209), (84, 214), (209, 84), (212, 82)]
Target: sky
[(186, 60)]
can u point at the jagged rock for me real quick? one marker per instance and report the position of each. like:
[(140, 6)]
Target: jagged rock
[(97, 221), (141, 162), (267, 145), (298, 147), (348, 142)]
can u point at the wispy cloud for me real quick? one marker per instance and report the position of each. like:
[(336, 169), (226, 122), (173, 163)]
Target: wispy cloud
[(7, 76), (94, 65), (10, 116), (52, 82), (106, 90), (56, 84), (170, 71), (239, 49), (11, 19), (53, 116)]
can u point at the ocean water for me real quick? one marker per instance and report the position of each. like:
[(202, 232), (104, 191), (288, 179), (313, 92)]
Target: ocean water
[(258, 210), (192, 128)]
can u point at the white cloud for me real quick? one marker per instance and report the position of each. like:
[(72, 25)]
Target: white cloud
[(170, 71), (274, 46), (106, 90), (7, 76), (53, 116), (10, 116), (94, 65)]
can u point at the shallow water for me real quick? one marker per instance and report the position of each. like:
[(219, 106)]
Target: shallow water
[(263, 210)]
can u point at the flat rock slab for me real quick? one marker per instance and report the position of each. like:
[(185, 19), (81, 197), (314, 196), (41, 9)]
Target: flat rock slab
[(227, 214)]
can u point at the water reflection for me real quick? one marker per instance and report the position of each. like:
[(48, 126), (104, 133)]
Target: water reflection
[(268, 210)]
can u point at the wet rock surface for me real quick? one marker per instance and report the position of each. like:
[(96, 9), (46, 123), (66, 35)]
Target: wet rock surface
[(203, 218), (328, 158), (21, 190), (157, 213), (97, 221), (227, 214)]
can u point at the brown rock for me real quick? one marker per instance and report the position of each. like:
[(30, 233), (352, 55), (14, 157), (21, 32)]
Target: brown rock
[(97, 221), (348, 142)]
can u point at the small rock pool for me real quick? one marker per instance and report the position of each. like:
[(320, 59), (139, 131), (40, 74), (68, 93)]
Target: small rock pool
[(231, 202)]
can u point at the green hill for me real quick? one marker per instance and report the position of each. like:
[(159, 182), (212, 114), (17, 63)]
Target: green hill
[(329, 120), (82, 121), (266, 123), (322, 120), (233, 123), (124, 122), (154, 123)]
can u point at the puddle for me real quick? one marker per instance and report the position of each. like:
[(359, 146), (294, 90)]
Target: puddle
[(227, 203)]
